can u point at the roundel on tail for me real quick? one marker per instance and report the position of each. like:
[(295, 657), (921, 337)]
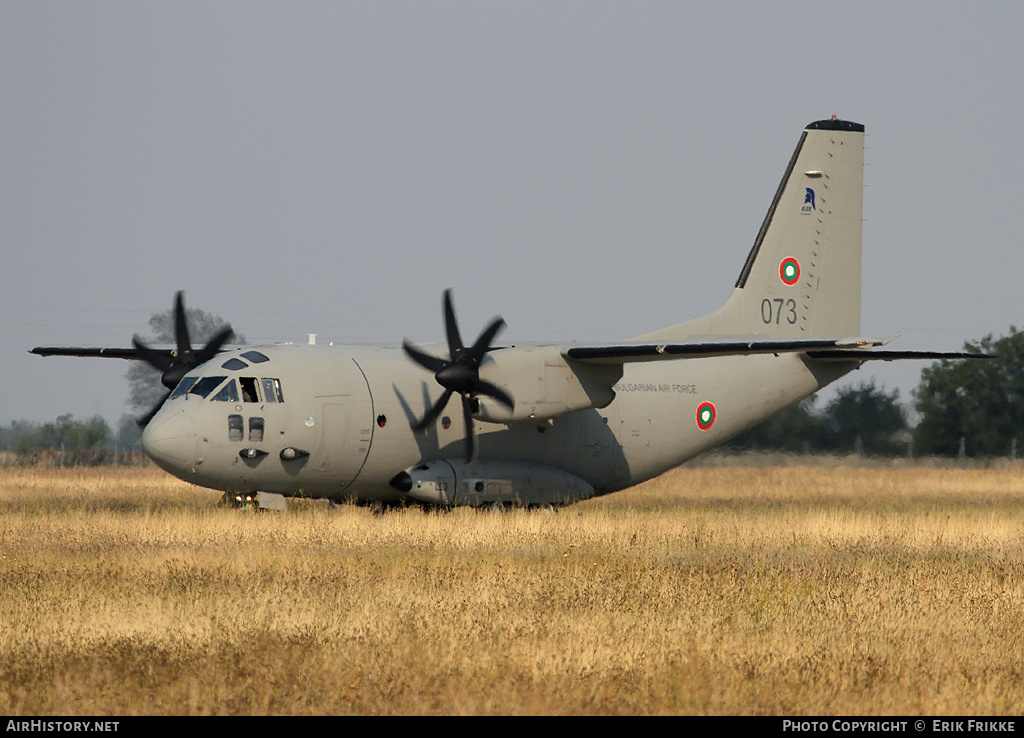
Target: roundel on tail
[(789, 271), (706, 415)]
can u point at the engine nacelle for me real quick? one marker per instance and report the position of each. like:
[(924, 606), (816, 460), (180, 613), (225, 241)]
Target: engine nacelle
[(544, 384), (485, 481)]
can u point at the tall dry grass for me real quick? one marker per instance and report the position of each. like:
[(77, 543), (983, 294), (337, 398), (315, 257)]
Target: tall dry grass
[(732, 589)]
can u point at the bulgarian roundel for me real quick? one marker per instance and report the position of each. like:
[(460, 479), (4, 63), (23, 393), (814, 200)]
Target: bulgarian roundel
[(706, 415), (789, 271)]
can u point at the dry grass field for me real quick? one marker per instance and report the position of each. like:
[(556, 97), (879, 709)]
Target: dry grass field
[(715, 589)]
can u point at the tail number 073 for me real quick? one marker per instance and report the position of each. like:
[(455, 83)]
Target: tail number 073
[(778, 310)]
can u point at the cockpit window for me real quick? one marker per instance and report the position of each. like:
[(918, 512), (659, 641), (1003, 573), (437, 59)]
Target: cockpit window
[(272, 390), (255, 357), (205, 386), (234, 364), (228, 393), (182, 387)]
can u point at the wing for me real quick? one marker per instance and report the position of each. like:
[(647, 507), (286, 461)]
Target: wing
[(172, 362), (106, 353), (822, 349), (855, 355)]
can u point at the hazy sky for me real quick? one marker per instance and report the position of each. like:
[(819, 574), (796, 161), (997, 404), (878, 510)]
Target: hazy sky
[(588, 170)]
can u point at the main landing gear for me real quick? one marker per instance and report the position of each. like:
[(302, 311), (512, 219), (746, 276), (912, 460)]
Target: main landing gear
[(254, 500)]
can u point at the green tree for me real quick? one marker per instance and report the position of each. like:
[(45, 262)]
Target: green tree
[(76, 441), (85, 434), (980, 403), (129, 434), (21, 437), (797, 429), (864, 418)]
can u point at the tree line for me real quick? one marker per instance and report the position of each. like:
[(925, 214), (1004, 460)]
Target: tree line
[(862, 419), (969, 408), (68, 441)]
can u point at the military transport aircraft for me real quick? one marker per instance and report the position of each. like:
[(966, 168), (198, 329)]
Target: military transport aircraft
[(538, 424)]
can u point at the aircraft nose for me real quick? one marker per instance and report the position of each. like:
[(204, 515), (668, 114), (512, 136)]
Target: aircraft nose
[(170, 441)]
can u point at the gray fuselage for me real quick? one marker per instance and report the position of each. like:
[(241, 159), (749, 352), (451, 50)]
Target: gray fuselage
[(335, 421)]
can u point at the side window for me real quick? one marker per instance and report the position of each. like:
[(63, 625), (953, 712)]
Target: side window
[(272, 390), (256, 430), (235, 427), (249, 393), (228, 393)]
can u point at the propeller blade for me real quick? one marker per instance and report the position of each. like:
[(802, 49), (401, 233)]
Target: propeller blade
[(432, 414), (492, 390), (451, 328), (212, 347), (483, 344), (467, 416), (144, 420), (156, 359), (171, 371), (427, 361), (182, 342)]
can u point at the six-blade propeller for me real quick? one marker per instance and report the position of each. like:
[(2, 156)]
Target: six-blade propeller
[(174, 365), (460, 373)]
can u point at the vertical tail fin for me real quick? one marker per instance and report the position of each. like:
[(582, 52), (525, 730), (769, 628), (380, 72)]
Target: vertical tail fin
[(802, 277)]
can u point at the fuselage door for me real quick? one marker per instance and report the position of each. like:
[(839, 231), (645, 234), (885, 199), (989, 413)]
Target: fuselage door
[(346, 429)]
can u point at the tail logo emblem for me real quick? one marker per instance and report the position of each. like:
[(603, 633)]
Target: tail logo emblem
[(706, 415), (808, 201), (789, 271)]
